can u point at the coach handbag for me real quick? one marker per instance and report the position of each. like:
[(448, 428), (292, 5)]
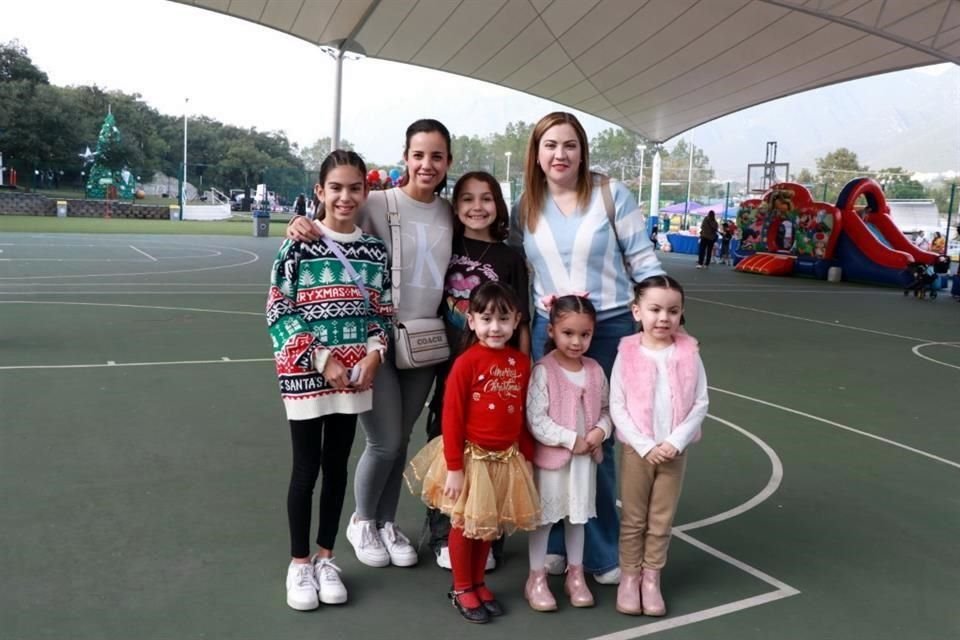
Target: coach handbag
[(421, 342)]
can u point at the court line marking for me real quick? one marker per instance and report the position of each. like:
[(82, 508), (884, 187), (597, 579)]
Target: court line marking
[(781, 589), (135, 306), (916, 352), (826, 292), (71, 260), (147, 273), (776, 477), (260, 291), (838, 425), (135, 284), (839, 325), (142, 252), (114, 364)]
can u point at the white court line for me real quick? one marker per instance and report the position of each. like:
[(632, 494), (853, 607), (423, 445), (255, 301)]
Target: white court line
[(135, 306), (142, 252), (776, 477), (916, 352), (782, 589), (260, 291), (145, 273), (132, 284), (70, 260), (839, 325), (865, 434), (114, 364), (699, 616)]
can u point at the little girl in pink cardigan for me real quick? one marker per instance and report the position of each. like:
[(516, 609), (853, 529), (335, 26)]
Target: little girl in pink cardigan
[(658, 400), (567, 415)]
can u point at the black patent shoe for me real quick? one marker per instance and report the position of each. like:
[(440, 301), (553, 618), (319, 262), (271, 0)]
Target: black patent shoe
[(477, 615), (493, 606)]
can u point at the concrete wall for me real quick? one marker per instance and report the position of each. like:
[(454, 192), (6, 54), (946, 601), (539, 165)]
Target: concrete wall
[(17, 203)]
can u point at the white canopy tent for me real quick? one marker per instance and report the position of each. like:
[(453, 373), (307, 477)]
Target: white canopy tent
[(656, 67)]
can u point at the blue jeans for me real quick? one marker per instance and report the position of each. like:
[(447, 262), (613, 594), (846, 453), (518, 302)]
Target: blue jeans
[(600, 553)]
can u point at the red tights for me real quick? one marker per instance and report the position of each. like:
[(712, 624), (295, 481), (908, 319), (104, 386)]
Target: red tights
[(468, 558)]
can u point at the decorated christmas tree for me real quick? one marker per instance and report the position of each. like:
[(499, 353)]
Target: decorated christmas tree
[(109, 178)]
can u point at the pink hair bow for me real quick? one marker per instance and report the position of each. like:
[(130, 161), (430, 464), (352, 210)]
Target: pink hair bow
[(550, 300)]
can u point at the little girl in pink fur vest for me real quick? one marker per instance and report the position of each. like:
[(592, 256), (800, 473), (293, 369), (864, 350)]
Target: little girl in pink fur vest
[(658, 400)]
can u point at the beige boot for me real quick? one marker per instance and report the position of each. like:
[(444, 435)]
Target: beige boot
[(628, 594), (576, 587), (537, 592), (653, 604)]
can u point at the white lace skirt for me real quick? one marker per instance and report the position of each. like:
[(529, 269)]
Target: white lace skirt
[(568, 492)]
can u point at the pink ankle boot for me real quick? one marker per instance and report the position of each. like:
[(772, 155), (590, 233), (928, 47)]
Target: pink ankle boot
[(537, 592), (628, 594), (653, 604), (576, 587)]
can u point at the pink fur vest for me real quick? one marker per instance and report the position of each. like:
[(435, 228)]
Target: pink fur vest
[(638, 372), (565, 398)]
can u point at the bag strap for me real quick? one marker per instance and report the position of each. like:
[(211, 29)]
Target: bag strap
[(396, 258), (607, 194), (354, 276)]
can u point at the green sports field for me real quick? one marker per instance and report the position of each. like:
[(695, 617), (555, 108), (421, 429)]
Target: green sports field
[(144, 458)]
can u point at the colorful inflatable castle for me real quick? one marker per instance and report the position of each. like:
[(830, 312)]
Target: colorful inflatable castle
[(786, 232)]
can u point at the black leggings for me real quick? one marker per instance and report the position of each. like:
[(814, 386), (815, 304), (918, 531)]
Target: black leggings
[(320, 443), (706, 251)]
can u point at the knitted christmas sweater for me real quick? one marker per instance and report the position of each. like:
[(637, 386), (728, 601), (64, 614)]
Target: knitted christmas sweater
[(315, 311)]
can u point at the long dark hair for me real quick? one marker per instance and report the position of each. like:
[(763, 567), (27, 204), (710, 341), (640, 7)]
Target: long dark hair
[(659, 282), (337, 158), (494, 296), (428, 125), (564, 305), (500, 227)]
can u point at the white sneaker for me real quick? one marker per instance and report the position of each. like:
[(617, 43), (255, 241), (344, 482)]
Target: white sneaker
[(301, 587), (399, 549), (362, 534), (555, 564), (491, 562), (443, 558), (608, 577), (327, 576)]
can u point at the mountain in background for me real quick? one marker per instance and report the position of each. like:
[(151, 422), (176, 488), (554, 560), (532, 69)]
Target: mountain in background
[(908, 118)]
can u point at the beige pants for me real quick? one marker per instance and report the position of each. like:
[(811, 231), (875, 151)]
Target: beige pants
[(649, 495)]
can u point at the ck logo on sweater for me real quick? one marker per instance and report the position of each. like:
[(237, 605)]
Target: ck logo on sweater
[(424, 260)]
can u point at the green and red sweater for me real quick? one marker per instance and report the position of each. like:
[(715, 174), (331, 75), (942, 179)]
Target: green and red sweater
[(315, 311)]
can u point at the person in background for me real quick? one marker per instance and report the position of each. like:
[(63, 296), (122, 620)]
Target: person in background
[(938, 244), (300, 205), (708, 236)]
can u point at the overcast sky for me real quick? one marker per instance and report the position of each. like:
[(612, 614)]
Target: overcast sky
[(252, 76)]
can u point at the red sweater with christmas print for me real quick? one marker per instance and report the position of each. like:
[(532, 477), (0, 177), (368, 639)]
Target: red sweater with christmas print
[(484, 403)]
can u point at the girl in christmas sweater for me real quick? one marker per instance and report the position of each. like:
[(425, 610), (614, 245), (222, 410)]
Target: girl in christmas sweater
[(477, 472), (328, 313), (567, 412), (658, 400)]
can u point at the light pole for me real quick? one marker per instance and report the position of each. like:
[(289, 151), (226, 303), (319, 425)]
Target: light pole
[(508, 154), (183, 184), (641, 149)]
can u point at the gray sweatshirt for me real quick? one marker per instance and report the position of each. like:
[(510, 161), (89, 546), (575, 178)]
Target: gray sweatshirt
[(426, 230)]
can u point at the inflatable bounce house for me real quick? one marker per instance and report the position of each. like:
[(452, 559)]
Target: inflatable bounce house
[(786, 232)]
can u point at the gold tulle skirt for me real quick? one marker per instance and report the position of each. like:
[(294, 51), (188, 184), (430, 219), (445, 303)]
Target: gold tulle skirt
[(499, 494)]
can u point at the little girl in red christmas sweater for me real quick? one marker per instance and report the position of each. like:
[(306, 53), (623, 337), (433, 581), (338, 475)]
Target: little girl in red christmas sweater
[(478, 472)]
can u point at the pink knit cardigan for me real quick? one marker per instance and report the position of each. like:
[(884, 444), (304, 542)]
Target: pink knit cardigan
[(565, 397)]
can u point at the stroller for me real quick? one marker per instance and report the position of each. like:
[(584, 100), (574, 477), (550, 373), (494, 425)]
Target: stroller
[(923, 281)]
